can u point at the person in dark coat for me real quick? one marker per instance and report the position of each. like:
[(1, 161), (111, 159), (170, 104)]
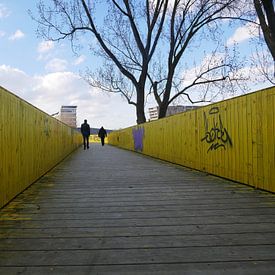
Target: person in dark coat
[(85, 131), (102, 134)]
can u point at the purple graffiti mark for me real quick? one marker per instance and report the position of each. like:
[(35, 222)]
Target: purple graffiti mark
[(138, 135), (218, 135)]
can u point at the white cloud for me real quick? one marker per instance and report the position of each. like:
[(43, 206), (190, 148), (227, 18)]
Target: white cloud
[(48, 92), (17, 35), (45, 50), (13, 79), (56, 65), (209, 60), (242, 34), (2, 33), (4, 12), (45, 46), (79, 60)]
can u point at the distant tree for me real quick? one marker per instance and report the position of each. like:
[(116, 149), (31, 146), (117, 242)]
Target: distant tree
[(144, 40)]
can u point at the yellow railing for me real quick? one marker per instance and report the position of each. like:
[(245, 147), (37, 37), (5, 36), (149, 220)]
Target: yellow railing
[(234, 139), (31, 143)]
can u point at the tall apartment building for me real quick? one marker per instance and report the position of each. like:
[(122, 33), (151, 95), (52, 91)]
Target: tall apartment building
[(68, 115), (171, 110)]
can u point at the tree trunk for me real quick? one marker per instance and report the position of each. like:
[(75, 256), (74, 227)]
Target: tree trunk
[(163, 109), (165, 102), (266, 15), (140, 106)]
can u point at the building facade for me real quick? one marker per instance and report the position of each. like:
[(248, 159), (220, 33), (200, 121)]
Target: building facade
[(171, 110), (67, 115)]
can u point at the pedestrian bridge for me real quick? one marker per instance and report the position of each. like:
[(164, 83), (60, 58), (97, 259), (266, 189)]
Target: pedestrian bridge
[(111, 211), (140, 211)]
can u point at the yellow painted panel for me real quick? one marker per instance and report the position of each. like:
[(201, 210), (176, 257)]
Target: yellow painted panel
[(31, 143), (268, 138), (232, 139), (249, 104), (96, 139), (259, 140)]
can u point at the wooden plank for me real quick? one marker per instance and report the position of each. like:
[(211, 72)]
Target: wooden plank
[(230, 128), (88, 243), (226, 268), (139, 256), (33, 209), (145, 214), (36, 225), (250, 179), (244, 139), (266, 139), (259, 135), (269, 141), (117, 230)]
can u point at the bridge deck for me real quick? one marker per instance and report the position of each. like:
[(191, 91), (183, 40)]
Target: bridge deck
[(112, 211)]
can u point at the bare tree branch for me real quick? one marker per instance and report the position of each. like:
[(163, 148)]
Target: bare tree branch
[(136, 35)]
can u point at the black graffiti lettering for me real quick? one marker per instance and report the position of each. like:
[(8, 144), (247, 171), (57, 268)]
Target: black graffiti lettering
[(218, 135), (226, 138), (214, 110), (215, 146)]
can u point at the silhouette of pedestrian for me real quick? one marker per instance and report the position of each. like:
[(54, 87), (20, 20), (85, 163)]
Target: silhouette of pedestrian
[(102, 134), (85, 131)]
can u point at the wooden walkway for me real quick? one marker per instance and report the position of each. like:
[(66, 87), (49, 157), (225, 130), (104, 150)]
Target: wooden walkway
[(111, 211)]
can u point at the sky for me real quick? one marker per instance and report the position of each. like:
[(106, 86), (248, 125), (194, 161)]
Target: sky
[(47, 74)]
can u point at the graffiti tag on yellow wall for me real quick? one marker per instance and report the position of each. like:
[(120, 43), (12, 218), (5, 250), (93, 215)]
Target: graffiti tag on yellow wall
[(216, 134)]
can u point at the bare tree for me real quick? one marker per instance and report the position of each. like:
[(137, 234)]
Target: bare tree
[(259, 19), (127, 39), (135, 36), (261, 67), (187, 23)]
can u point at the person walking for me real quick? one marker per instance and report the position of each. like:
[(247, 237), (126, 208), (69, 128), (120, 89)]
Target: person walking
[(85, 131), (102, 134)]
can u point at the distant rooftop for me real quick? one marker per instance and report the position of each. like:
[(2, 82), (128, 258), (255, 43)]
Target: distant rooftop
[(68, 106)]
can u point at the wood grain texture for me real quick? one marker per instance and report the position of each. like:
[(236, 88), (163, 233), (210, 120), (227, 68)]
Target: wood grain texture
[(31, 143), (112, 211), (233, 139)]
